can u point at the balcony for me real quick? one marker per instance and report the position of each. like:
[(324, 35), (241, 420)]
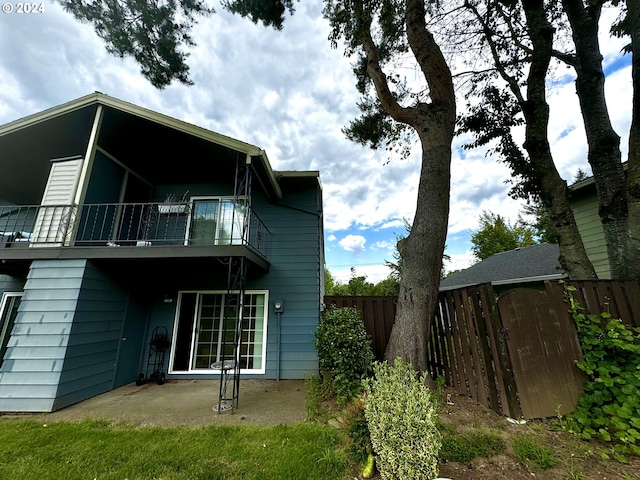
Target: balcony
[(212, 227)]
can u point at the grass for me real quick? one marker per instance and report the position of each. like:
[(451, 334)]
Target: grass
[(532, 453), (100, 450), (463, 447)]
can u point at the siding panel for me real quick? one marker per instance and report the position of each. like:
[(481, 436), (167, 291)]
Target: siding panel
[(42, 330), (96, 328)]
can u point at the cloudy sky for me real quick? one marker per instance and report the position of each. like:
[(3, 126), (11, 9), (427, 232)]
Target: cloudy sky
[(289, 93)]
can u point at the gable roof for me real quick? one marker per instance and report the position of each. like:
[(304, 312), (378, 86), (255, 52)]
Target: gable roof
[(525, 264), (152, 140)]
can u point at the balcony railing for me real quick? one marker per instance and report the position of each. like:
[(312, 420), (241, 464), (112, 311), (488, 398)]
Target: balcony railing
[(212, 223)]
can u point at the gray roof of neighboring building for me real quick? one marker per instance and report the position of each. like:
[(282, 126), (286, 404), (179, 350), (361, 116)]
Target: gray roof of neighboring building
[(535, 262)]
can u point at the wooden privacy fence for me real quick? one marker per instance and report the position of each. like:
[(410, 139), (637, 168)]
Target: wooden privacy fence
[(514, 354)]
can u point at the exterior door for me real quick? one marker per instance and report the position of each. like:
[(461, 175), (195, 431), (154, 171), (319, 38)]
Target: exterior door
[(132, 346)]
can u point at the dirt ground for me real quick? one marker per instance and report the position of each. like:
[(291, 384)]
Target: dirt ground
[(577, 460)]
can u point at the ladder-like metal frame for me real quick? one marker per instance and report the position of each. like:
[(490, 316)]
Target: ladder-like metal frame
[(234, 300)]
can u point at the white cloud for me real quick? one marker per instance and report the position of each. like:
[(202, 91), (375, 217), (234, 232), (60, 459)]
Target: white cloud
[(353, 243), (384, 245), (289, 93), (374, 273), (460, 261)]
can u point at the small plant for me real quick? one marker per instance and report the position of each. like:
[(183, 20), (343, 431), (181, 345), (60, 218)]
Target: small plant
[(402, 419), (463, 447), (609, 407), (531, 452), (356, 426), (316, 393), (344, 351)]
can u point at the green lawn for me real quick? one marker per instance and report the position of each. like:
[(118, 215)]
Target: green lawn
[(100, 450)]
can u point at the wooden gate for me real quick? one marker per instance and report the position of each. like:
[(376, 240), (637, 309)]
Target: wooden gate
[(543, 347)]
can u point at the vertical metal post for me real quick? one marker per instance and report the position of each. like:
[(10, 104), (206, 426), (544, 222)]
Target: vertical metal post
[(236, 278)]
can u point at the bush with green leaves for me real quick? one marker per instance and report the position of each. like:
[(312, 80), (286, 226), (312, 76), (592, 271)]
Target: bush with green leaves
[(402, 417), (344, 350), (609, 407)]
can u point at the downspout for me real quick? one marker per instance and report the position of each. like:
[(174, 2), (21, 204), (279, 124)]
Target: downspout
[(278, 349), (278, 307)]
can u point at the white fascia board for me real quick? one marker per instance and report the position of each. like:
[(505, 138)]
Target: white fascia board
[(49, 113), (271, 174), (539, 278), (510, 281), (300, 174)]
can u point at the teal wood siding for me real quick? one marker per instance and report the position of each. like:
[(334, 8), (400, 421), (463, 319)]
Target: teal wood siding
[(65, 340), (92, 348), (295, 278), (38, 345), (585, 211)]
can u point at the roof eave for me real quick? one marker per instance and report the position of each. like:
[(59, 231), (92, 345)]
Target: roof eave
[(510, 281)]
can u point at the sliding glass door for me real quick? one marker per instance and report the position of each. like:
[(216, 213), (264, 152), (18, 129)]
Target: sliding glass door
[(216, 221), (205, 332)]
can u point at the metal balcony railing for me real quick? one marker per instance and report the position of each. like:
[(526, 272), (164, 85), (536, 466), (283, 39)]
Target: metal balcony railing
[(222, 222)]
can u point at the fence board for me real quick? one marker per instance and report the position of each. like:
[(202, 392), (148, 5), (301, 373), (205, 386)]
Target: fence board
[(471, 337), (506, 382), (465, 368), (480, 315)]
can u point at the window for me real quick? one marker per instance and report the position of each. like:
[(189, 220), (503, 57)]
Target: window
[(216, 221), (8, 312), (204, 333)]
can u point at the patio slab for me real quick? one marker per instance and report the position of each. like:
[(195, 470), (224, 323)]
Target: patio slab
[(190, 402)]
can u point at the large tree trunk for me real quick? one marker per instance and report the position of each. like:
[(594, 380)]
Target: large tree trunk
[(604, 143), (552, 189), (421, 254), (633, 166), (422, 250)]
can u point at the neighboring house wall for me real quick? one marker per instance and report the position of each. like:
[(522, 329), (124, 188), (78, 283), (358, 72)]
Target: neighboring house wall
[(585, 211)]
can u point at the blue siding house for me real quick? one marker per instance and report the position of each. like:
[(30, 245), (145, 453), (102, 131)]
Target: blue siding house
[(117, 222)]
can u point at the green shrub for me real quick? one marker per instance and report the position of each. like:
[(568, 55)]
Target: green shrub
[(357, 428), (609, 407), (402, 420), (531, 452), (344, 350)]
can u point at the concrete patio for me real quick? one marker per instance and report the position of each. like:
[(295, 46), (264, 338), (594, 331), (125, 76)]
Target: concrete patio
[(190, 402)]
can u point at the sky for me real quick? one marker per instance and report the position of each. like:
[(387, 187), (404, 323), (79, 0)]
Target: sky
[(291, 94)]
